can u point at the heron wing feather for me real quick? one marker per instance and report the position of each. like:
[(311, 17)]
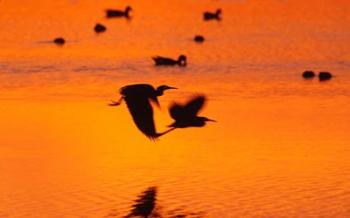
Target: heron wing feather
[(142, 114), (194, 105)]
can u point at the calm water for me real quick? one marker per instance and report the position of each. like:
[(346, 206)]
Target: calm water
[(280, 148)]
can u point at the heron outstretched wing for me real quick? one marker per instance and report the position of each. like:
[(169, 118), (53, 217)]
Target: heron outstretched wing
[(142, 114), (194, 105)]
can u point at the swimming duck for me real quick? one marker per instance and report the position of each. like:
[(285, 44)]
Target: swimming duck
[(308, 74), (210, 16), (199, 38), (59, 41), (110, 13), (323, 76), (181, 61), (99, 28)]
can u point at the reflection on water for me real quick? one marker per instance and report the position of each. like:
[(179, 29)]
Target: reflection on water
[(146, 205), (280, 148)]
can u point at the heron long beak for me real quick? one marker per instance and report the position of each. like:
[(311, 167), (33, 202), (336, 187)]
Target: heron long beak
[(211, 120), (172, 87)]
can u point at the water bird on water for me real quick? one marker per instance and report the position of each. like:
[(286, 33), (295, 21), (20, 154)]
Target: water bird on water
[(199, 38), (59, 41), (112, 13), (181, 61), (323, 76), (187, 115), (308, 74), (99, 28), (138, 98), (212, 16)]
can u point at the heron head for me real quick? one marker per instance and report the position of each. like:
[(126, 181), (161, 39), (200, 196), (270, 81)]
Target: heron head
[(218, 11), (182, 60), (162, 88)]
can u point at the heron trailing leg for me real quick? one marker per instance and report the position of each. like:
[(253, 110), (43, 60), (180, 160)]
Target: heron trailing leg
[(116, 103), (165, 132)]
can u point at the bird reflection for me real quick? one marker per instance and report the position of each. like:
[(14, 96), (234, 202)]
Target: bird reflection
[(145, 204), (138, 98), (186, 115), (113, 13), (181, 61)]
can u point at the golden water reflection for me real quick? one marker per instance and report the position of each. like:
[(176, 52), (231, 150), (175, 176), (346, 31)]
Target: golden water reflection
[(281, 144)]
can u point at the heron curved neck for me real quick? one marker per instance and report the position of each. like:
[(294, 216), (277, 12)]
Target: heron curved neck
[(159, 92)]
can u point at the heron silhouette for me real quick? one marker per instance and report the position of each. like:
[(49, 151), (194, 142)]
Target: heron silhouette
[(138, 98), (186, 115), (181, 61), (113, 13), (212, 16)]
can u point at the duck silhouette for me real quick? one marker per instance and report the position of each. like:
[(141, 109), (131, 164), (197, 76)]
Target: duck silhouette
[(138, 98), (198, 38), (324, 76), (59, 41), (308, 74), (113, 13), (186, 115), (99, 28), (212, 16), (181, 61)]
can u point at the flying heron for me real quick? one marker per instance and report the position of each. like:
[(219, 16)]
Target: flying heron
[(212, 16), (186, 115), (138, 98), (181, 61), (112, 13)]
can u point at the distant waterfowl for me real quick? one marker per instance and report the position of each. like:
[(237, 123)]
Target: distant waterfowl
[(181, 61), (323, 76), (186, 115), (138, 98), (99, 28), (199, 38), (308, 74), (212, 16), (111, 13), (59, 41)]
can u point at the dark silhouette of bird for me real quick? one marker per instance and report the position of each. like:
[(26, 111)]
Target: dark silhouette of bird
[(113, 13), (187, 115), (308, 74), (212, 16), (138, 98), (199, 38), (324, 76), (99, 28), (181, 61), (145, 204), (59, 41)]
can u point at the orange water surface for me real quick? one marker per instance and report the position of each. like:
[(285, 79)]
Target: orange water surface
[(281, 145)]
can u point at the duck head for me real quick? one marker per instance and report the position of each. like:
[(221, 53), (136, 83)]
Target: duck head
[(127, 10), (182, 61)]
